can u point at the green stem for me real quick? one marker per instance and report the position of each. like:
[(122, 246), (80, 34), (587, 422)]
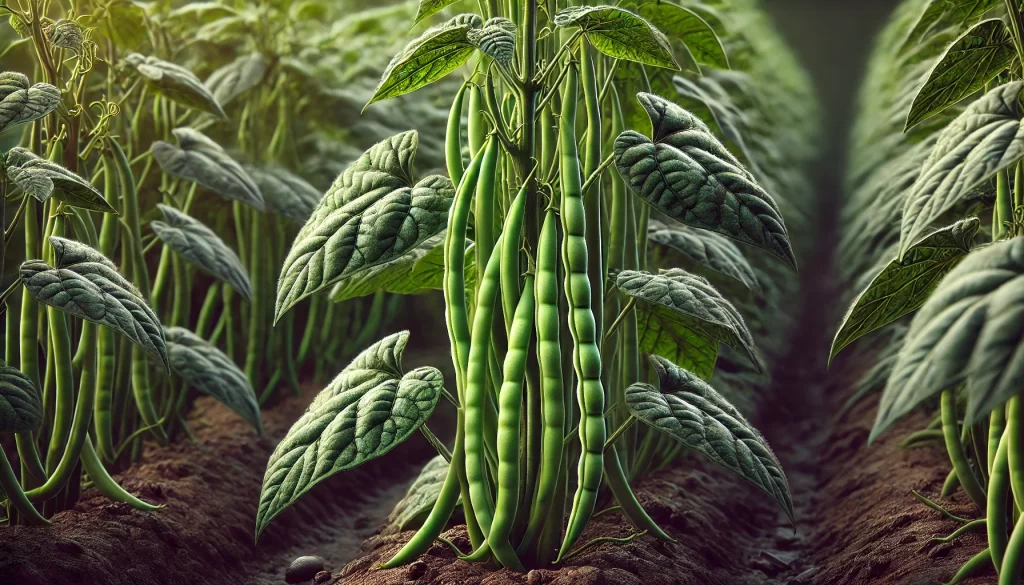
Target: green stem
[(957, 453)]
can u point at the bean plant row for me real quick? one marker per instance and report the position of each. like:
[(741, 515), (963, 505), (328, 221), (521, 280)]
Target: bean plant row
[(145, 215), (932, 247), (603, 234)]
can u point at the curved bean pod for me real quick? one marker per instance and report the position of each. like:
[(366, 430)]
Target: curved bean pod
[(106, 484), (453, 138), (995, 513)]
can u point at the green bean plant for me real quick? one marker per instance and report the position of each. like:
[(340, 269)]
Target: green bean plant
[(562, 334), (950, 74)]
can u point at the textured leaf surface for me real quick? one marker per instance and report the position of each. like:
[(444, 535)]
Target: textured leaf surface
[(687, 174), (371, 215), (209, 370), (691, 411), (428, 8), (176, 82), (197, 158), (365, 412), (707, 249), (20, 103), (986, 138), (436, 53), (682, 306), (415, 505), (937, 14), (84, 283), (619, 33), (683, 25), (285, 193), (970, 330), (968, 64), (21, 409), (200, 246), (904, 285), (496, 39), (42, 179), (237, 77)]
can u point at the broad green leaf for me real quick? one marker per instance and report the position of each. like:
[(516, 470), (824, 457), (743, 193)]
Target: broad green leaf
[(684, 26), (968, 64), (970, 330), (417, 271), (64, 34), (285, 193), (237, 77), (176, 82), (20, 103), (435, 54), (683, 308), (124, 23), (200, 246), (619, 33), (367, 410), (209, 370), (42, 179), (496, 39), (428, 8), (84, 283), (371, 215), (21, 409), (904, 285), (689, 410), (938, 14), (688, 175), (410, 512), (199, 159), (705, 248), (986, 138)]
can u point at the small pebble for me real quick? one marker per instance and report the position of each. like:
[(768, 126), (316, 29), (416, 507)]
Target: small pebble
[(322, 577), (303, 569), (534, 577), (417, 570)]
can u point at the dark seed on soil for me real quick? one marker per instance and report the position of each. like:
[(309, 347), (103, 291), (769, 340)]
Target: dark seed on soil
[(303, 569), (322, 577), (417, 569)]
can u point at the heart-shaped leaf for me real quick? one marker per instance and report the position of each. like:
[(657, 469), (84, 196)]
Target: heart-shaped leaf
[(496, 39), (619, 33), (84, 283), (705, 248), (436, 53), (42, 179), (365, 412), (689, 410), (209, 370), (970, 330), (968, 64), (410, 512), (682, 25), (285, 193), (21, 409), (200, 246), (20, 103), (688, 175), (683, 308), (197, 158), (371, 215), (986, 138), (237, 77), (904, 285), (176, 82)]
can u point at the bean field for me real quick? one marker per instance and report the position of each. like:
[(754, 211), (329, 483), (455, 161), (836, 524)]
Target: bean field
[(512, 292)]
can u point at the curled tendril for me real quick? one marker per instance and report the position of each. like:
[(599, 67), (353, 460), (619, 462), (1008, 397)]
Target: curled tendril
[(105, 110)]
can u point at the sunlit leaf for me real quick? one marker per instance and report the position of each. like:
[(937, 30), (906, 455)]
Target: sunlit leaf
[(619, 33), (682, 25)]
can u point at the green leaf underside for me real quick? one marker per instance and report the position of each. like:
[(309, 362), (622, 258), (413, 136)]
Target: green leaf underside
[(708, 249), (435, 54), (21, 409), (201, 160), (413, 508), (970, 330), (84, 283), (984, 139), (685, 309), (691, 411), (689, 176), (968, 64), (687, 27), (621, 34), (904, 285), (176, 83), (938, 14), (496, 39), (371, 215), (209, 370), (200, 246), (43, 179), (237, 77), (21, 103), (418, 271), (285, 193), (368, 409)]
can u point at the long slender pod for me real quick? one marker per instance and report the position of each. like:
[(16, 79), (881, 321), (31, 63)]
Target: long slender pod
[(453, 138), (592, 201), (106, 484), (995, 513), (1015, 448), (106, 338), (29, 340), (955, 447), (486, 191), (476, 126), (996, 426), (256, 335), (15, 495), (586, 355), (60, 339), (1013, 561)]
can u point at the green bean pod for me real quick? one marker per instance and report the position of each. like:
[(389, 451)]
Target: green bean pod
[(995, 513), (486, 191), (256, 336), (106, 484), (1015, 447), (593, 200), (955, 448), (972, 567), (510, 403), (10, 486), (64, 397), (476, 125), (996, 426), (586, 355), (1013, 561), (453, 138), (106, 338)]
